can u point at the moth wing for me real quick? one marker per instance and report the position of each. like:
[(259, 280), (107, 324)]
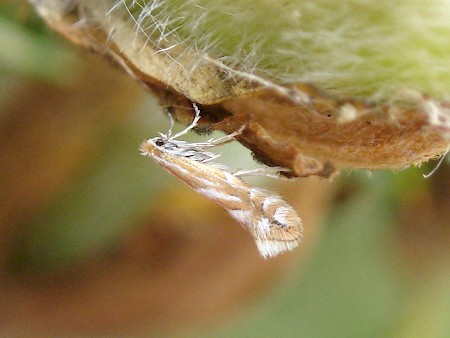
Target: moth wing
[(276, 227)]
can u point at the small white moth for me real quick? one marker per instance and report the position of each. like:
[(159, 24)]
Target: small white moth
[(273, 223)]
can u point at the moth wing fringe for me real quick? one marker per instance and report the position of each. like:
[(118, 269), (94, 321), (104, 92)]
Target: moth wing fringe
[(271, 248), (276, 242)]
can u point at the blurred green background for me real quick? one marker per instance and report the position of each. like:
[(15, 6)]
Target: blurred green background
[(360, 282), (379, 266)]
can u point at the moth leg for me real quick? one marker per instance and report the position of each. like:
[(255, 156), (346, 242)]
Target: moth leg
[(193, 124), (221, 140), (172, 123), (229, 137), (211, 158), (441, 160), (262, 172)]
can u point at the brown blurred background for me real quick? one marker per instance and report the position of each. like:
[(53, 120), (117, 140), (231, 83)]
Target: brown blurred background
[(96, 240)]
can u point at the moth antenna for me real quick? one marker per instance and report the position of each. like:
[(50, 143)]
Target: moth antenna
[(193, 123)]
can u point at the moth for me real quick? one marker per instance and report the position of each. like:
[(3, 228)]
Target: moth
[(273, 223)]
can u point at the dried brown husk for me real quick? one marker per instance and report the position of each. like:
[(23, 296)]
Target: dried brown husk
[(294, 125)]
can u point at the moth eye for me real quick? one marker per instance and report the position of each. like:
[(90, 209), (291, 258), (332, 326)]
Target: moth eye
[(159, 142)]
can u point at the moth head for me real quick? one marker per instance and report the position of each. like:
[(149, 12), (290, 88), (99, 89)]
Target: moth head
[(161, 140)]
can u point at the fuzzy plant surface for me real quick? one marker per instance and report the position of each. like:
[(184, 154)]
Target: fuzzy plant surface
[(353, 48), (320, 84)]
